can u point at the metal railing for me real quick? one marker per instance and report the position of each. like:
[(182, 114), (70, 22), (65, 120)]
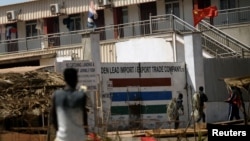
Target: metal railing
[(155, 25), (72, 51), (224, 45), (169, 23), (214, 41), (232, 16), (42, 42)]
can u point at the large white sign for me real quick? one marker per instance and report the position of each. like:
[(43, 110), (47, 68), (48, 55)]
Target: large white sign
[(144, 50)]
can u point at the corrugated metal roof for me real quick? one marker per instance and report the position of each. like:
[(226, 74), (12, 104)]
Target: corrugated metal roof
[(108, 52), (24, 69), (12, 3), (118, 3), (41, 8)]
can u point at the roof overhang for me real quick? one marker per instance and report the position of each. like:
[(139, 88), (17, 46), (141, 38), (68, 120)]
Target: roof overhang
[(26, 58), (238, 81)]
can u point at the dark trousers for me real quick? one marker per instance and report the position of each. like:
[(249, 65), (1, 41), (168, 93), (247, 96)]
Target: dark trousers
[(201, 115), (91, 25), (233, 112), (176, 123)]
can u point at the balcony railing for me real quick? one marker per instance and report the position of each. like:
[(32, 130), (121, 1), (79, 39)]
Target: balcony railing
[(232, 16), (160, 24), (155, 25), (222, 44)]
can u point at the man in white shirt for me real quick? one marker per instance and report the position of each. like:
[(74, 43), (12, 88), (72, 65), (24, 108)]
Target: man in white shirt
[(69, 114)]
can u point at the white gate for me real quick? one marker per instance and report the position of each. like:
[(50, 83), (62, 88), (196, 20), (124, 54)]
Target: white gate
[(140, 92)]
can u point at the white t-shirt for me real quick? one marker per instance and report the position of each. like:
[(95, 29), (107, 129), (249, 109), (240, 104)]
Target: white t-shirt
[(69, 109)]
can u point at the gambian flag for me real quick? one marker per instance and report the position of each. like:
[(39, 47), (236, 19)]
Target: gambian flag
[(151, 94)]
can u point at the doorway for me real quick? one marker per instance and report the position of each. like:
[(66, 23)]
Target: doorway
[(147, 10), (11, 37), (53, 28)]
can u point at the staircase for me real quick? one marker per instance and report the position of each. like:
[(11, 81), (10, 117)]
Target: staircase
[(214, 41), (221, 44)]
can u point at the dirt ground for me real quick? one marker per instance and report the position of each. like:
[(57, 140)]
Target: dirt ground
[(163, 139), (123, 137), (129, 138), (135, 135)]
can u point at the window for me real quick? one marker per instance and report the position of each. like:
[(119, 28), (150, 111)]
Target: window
[(228, 4), (75, 23), (125, 14), (172, 7), (203, 4), (1, 31), (31, 29)]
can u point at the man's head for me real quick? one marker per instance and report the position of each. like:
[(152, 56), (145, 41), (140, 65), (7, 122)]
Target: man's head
[(92, 4), (70, 77), (201, 88), (180, 96)]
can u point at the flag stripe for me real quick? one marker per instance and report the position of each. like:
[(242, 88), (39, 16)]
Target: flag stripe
[(143, 82), (125, 103), (142, 109), (141, 96)]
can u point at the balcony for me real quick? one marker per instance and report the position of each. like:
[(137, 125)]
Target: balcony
[(159, 26), (232, 16)]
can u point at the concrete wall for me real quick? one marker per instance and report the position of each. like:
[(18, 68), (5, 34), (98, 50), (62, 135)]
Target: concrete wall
[(21, 29), (180, 52), (109, 21), (241, 33), (84, 20), (218, 111), (47, 61), (133, 13), (187, 11), (160, 4), (133, 16), (21, 34)]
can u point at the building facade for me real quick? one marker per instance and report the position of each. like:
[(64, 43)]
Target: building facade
[(42, 32), (33, 25)]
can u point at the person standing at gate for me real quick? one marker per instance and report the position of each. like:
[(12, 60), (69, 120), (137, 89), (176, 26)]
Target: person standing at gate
[(203, 98), (180, 109), (234, 103), (175, 109), (68, 111)]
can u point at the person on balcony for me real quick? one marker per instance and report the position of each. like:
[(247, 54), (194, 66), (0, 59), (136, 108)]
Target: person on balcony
[(92, 15), (8, 32)]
